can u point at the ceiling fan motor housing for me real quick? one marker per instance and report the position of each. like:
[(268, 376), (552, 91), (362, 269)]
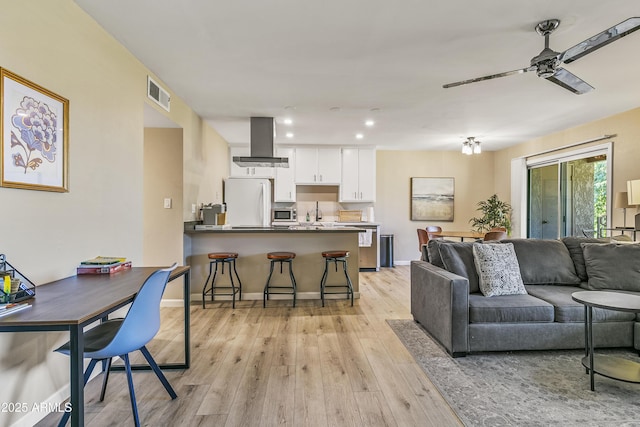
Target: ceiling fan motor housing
[(546, 62)]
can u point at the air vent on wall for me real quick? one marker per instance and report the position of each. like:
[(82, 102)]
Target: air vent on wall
[(158, 94)]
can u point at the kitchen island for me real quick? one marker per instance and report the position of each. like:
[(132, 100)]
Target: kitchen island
[(252, 245)]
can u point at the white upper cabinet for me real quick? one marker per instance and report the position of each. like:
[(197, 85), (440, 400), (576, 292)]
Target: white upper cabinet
[(358, 175), (236, 171), (317, 166), (284, 183)]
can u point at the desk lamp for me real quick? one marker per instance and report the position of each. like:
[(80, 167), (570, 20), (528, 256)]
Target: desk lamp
[(621, 201), (633, 193)]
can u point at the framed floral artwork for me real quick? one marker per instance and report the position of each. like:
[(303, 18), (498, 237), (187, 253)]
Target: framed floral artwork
[(34, 130)]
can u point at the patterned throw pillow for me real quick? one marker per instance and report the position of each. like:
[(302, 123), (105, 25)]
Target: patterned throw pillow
[(498, 269)]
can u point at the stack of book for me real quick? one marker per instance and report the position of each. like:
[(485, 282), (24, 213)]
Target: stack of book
[(103, 265)]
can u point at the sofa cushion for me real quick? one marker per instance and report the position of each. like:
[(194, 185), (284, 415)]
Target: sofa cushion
[(612, 266), (575, 251), (567, 310), (433, 253), (544, 262), (458, 259), (498, 270), (508, 309)]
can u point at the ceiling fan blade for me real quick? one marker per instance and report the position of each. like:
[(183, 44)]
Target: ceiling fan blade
[(493, 76), (570, 81), (599, 40)]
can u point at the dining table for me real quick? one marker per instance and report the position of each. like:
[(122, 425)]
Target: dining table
[(458, 234)]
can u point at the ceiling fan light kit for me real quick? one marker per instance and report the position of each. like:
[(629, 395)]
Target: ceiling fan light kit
[(547, 64), (471, 146)]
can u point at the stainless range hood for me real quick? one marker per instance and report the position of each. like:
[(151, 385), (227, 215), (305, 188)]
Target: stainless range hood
[(262, 135)]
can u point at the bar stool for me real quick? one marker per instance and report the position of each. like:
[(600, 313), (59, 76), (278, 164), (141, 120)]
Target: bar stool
[(280, 257), (336, 257), (222, 258)]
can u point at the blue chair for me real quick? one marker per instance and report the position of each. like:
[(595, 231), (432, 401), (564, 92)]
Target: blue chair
[(119, 337)]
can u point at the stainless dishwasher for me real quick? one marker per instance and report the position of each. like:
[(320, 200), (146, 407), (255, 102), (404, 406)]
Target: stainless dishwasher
[(370, 255)]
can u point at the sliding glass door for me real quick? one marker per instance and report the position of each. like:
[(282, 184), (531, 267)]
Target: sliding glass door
[(544, 204), (567, 196)]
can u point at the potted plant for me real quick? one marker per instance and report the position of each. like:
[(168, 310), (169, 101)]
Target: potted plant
[(495, 213)]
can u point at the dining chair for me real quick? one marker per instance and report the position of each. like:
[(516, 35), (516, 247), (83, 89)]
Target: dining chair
[(433, 229), (423, 238), (498, 229), (495, 235), (119, 337)]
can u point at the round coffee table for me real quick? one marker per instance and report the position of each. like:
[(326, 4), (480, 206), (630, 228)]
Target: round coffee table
[(612, 367)]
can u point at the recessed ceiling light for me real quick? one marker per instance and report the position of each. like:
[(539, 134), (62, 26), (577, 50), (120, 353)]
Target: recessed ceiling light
[(359, 136), (369, 123), (289, 135), (288, 121)]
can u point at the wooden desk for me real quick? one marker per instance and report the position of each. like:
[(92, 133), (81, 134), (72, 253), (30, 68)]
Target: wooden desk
[(459, 234), (71, 304)]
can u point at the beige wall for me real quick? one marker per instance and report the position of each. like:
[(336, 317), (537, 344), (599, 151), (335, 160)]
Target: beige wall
[(163, 228), (479, 176), (46, 234), (626, 152), (474, 182)]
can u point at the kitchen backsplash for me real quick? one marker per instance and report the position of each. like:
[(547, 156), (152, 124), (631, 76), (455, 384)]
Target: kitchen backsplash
[(327, 197)]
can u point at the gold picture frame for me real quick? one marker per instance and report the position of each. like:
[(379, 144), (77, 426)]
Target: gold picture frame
[(34, 135)]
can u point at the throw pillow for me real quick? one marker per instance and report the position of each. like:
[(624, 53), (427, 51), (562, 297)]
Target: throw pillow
[(544, 262), (434, 253), (575, 251), (612, 266), (458, 259), (498, 269)]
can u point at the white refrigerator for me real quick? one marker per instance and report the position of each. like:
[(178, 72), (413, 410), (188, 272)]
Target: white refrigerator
[(248, 202)]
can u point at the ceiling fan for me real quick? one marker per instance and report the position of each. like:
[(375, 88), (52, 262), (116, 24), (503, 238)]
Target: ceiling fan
[(548, 63)]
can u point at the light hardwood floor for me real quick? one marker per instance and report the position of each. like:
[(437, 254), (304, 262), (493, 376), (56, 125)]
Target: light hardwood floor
[(306, 366)]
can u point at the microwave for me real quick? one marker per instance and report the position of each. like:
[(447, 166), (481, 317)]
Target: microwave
[(285, 214)]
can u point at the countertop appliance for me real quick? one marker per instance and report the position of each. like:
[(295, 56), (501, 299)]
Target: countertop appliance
[(284, 214), (248, 202), (211, 214)]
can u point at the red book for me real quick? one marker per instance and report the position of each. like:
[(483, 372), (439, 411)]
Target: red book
[(107, 269)]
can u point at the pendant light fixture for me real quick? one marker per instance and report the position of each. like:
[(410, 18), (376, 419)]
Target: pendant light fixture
[(471, 146)]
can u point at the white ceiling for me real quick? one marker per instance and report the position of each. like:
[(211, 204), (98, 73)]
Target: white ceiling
[(382, 60)]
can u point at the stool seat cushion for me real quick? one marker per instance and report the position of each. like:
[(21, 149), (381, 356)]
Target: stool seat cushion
[(335, 254), (223, 255), (281, 255)]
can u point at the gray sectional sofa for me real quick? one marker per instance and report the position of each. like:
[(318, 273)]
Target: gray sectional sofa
[(446, 298)]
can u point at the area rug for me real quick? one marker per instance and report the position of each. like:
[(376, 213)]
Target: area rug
[(525, 388)]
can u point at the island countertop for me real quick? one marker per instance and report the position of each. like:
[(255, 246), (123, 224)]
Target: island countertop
[(252, 245), (291, 229)]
